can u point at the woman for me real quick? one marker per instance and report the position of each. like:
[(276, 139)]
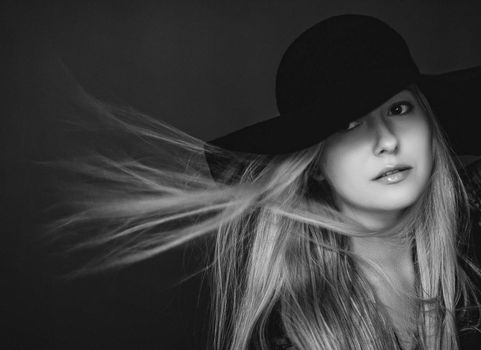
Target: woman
[(340, 224)]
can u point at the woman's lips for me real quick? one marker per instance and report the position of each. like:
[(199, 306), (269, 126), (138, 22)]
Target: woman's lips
[(395, 177), (390, 169)]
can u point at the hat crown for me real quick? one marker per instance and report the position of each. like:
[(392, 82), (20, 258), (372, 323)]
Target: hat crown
[(337, 59)]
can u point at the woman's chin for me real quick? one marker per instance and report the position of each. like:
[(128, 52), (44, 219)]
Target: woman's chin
[(395, 203)]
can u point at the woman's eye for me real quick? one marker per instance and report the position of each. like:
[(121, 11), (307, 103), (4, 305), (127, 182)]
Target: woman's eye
[(353, 124), (400, 108)]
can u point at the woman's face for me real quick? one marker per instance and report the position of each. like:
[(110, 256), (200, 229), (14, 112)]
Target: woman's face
[(397, 136)]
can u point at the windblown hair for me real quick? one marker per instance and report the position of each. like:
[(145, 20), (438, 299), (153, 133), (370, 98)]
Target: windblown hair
[(281, 250)]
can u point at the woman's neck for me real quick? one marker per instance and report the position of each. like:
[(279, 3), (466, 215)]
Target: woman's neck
[(393, 255), (389, 252)]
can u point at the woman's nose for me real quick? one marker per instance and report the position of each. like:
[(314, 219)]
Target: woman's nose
[(386, 139)]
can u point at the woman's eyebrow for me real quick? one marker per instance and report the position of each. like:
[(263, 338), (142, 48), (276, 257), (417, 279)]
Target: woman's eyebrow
[(401, 98)]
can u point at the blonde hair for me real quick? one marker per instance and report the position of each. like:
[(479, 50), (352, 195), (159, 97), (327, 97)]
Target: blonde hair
[(280, 248)]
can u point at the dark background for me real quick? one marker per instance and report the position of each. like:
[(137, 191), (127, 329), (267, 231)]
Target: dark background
[(206, 67)]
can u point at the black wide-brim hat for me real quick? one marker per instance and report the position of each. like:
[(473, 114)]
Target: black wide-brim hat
[(339, 70)]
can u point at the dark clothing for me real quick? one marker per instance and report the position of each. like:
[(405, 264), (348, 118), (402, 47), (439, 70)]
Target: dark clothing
[(469, 340)]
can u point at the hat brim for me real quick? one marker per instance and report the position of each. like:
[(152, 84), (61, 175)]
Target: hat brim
[(454, 97)]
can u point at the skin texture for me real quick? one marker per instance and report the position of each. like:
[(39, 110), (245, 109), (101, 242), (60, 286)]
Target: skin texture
[(397, 132)]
